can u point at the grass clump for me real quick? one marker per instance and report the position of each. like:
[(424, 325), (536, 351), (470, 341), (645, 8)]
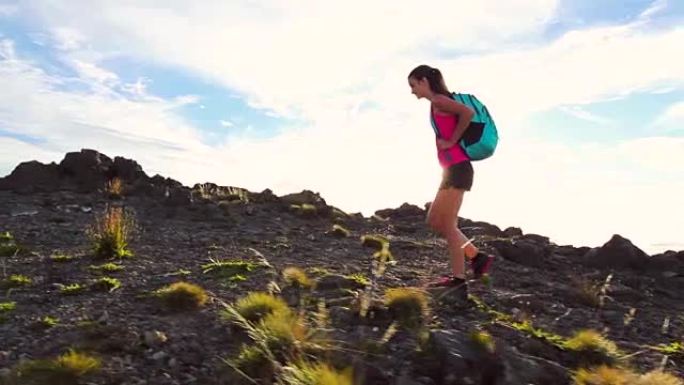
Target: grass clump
[(59, 257), (377, 242), (359, 278), (484, 340), (71, 289), (106, 284), (604, 375), (110, 233), (182, 296), (297, 277), (106, 267), (319, 373), (15, 280), (229, 268), (66, 369), (48, 321), (658, 377), (340, 231), (588, 292), (673, 348), (8, 245), (252, 363), (256, 305), (593, 347), (114, 188), (6, 307), (305, 209), (409, 306)]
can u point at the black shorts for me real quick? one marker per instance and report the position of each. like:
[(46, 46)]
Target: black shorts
[(459, 175)]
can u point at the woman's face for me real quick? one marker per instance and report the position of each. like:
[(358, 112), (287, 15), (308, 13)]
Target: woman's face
[(420, 88)]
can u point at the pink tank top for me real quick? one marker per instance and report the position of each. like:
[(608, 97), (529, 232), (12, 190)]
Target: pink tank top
[(446, 124)]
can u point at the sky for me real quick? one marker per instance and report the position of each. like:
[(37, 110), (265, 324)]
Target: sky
[(297, 95)]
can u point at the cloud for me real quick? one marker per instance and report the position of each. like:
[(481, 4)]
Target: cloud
[(580, 113), (7, 10), (226, 123), (672, 119)]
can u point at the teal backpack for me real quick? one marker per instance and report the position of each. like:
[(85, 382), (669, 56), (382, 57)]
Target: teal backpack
[(481, 137)]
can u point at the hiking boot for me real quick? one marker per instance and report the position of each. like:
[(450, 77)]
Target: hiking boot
[(446, 281), (481, 264), (450, 290)]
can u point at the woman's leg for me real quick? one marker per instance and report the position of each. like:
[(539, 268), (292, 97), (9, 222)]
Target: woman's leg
[(442, 217)]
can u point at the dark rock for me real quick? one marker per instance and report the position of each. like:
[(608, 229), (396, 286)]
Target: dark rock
[(32, 176), (513, 232), (535, 238), (177, 197), (87, 169), (669, 261), (406, 210), (304, 197), (618, 252), (126, 169), (473, 228), (522, 252), (453, 357)]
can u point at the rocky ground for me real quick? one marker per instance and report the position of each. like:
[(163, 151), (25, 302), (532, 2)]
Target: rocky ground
[(538, 296)]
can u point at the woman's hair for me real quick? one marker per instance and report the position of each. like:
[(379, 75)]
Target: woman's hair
[(433, 76)]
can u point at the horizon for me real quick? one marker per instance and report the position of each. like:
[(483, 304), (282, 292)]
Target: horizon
[(588, 100)]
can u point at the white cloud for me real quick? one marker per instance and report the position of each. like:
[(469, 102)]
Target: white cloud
[(672, 118), (226, 123), (8, 10), (91, 71), (7, 50), (68, 39), (583, 114)]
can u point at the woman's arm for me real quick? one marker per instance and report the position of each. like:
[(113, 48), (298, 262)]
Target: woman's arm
[(465, 114)]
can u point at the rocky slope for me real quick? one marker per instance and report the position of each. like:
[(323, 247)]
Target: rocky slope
[(516, 328)]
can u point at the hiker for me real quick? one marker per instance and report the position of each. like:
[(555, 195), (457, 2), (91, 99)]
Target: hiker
[(450, 120)]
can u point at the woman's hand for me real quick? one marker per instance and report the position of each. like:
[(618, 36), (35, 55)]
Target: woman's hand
[(443, 144)]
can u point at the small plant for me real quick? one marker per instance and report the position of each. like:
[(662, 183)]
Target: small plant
[(229, 268), (182, 296), (61, 257), (252, 363), (48, 321), (658, 377), (8, 245), (114, 188), (340, 231), (6, 307), (484, 340), (673, 348), (297, 277), (106, 284), (15, 280), (305, 209), (110, 233), (306, 373), (107, 267), (593, 343), (591, 293), (71, 289), (409, 306), (359, 278), (604, 375), (256, 305), (284, 334), (377, 242), (63, 370)]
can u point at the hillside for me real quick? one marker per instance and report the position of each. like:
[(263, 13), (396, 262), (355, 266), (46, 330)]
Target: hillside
[(340, 289)]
